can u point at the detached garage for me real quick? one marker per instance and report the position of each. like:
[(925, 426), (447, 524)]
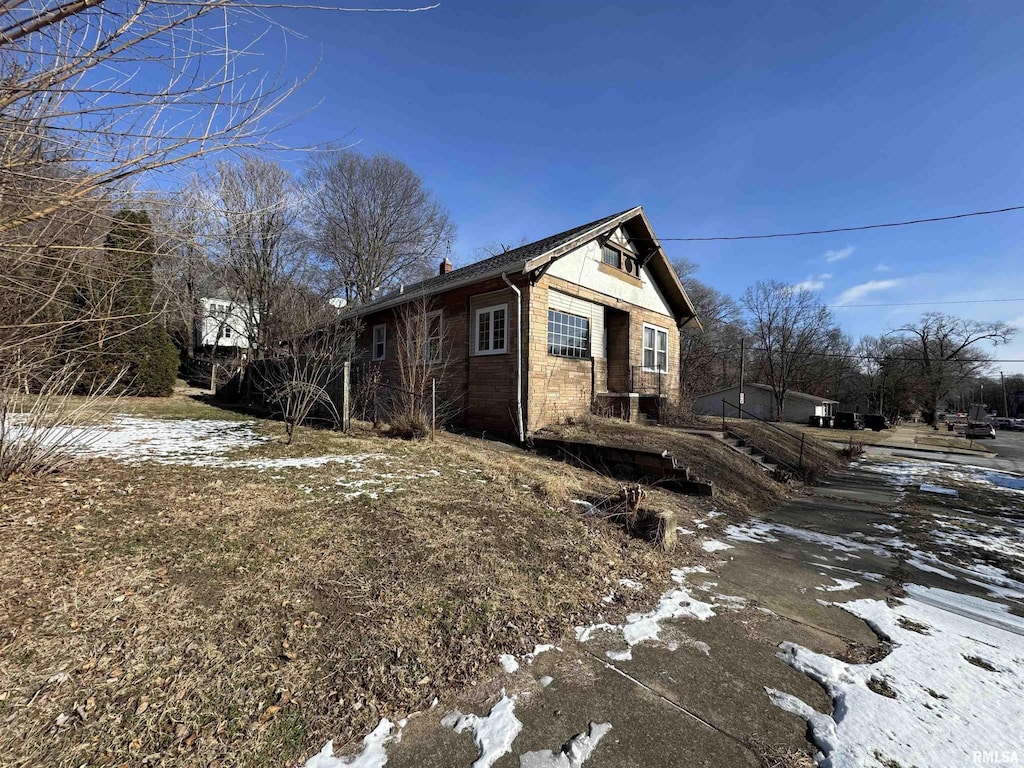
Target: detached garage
[(760, 401)]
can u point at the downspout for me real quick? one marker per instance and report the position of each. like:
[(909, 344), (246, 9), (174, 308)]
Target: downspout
[(519, 356)]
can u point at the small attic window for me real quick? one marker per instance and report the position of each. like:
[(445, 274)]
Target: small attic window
[(611, 256), (620, 258)]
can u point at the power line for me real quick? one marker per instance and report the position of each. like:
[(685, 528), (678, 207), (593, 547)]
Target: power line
[(926, 303), (909, 222), (877, 358)]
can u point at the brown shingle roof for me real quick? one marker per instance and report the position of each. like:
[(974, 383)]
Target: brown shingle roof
[(503, 262)]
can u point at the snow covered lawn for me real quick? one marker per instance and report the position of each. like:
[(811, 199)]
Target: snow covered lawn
[(950, 689)]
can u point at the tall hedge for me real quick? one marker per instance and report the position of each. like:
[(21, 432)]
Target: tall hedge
[(135, 340)]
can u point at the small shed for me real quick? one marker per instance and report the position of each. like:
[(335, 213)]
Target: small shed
[(759, 400)]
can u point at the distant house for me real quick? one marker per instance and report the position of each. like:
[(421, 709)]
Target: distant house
[(598, 309), (759, 400), (221, 324)]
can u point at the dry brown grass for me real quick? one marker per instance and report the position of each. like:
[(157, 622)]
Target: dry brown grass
[(163, 615), (818, 457), (741, 488)]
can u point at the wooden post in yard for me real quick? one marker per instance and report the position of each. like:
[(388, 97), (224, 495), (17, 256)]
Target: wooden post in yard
[(433, 407), (213, 378), (346, 402), (723, 414), (802, 436), (743, 358)]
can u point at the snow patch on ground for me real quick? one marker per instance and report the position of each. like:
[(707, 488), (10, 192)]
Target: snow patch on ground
[(754, 531), (508, 662), (573, 755), (373, 754), (918, 563), (937, 668), (493, 734), (194, 442), (761, 532), (840, 585), (714, 545), (586, 506), (639, 627)]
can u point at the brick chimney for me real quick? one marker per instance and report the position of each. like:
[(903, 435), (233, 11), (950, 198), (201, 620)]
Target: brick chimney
[(446, 267)]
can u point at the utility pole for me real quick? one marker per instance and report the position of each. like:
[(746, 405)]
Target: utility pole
[(1006, 407), (881, 391), (743, 359)]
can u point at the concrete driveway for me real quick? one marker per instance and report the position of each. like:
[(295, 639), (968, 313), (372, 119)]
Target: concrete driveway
[(870, 622)]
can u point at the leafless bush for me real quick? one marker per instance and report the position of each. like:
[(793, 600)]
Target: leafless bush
[(422, 396), (367, 390), (678, 413), (307, 383), (44, 432), (851, 451)]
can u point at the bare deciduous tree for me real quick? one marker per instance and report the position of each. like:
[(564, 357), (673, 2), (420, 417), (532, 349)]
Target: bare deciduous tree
[(254, 208), (946, 351), (183, 270), (788, 324), (708, 360), (374, 221)]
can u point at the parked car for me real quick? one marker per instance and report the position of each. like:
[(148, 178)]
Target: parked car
[(1017, 425), (849, 420), (1002, 422), (876, 421), (980, 430)]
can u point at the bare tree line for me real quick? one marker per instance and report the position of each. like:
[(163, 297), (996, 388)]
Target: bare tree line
[(95, 99), (793, 342)]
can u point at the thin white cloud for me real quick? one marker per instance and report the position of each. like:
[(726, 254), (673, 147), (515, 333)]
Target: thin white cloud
[(858, 292), (813, 283), (833, 256), (883, 268)]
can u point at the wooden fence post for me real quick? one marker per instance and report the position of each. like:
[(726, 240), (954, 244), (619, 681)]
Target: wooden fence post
[(346, 396)]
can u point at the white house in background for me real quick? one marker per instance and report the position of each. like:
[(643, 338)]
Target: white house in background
[(221, 322), (759, 400)]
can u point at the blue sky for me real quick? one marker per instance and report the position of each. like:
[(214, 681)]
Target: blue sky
[(720, 118)]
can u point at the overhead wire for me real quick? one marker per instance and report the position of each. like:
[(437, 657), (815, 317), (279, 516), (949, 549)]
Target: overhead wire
[(836, 230)]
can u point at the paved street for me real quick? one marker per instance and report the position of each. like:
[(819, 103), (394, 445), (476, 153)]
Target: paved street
[(1009, 456)]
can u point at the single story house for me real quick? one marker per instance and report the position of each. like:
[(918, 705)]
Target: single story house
[(589, 316), (759, 400)]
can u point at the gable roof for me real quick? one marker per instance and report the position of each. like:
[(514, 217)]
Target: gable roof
[(535, 255), (790, 393)]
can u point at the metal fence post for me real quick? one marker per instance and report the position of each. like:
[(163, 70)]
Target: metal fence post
[(802, 436), (723, 414), (433, 407)]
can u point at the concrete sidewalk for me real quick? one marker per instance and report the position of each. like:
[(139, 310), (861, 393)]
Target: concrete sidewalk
[(696, 696)]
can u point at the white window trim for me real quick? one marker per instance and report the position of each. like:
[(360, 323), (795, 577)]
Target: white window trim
[(476, 330), (373, 343), (643, 348), (426, 337)]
